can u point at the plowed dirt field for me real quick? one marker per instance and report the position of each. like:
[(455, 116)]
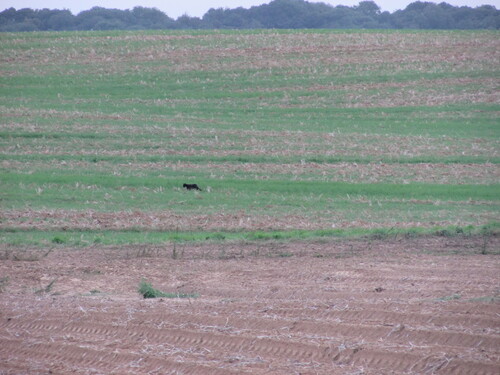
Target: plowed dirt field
[(399, 306)]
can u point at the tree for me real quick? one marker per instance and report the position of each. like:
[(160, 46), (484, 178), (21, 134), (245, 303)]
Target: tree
[(276, 14), (214, 18), (151, 18), (283, 14), (186, 22), (436, 17), (368, 8)]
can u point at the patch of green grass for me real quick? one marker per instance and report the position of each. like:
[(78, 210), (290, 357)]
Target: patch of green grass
[(43, 238), (75, 191), (147, 291)]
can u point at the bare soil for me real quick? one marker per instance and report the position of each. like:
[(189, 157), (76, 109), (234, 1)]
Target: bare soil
[(75, 220), (401, 306)]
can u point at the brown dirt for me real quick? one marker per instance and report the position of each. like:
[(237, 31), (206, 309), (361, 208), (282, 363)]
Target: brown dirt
[(76, 220), (485, 173), (402, 306)]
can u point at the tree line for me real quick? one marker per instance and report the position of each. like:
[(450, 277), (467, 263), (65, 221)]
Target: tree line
[(278, 14)]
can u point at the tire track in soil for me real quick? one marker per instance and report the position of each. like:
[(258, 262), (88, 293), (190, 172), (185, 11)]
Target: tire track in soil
[(388, 318), (115, 362), (64, 357), (271, 348), (361, 327), (405, 363), (186, 338)]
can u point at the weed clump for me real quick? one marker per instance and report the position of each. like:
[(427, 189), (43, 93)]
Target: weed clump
[(147, 291), (380, 234), (47, 289), (58, 240)]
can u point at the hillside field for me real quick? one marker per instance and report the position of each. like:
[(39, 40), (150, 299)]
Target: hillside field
[(347, 223), (282, 130)]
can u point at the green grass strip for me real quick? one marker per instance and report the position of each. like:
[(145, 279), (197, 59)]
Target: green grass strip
[(382, 190), (85, 238)]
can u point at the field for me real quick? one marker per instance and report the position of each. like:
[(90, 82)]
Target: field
[(399, 306), (347, 223)]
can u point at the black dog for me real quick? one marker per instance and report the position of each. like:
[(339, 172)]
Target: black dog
[(191, 187)]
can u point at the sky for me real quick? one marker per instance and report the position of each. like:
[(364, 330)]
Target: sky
[(197, 8)]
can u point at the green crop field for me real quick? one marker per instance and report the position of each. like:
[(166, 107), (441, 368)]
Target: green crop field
[(290, 134)]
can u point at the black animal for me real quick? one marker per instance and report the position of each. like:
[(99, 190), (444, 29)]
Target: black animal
[(191, 187)]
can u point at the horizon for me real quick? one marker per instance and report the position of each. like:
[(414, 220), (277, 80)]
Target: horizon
[(195, 8)]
